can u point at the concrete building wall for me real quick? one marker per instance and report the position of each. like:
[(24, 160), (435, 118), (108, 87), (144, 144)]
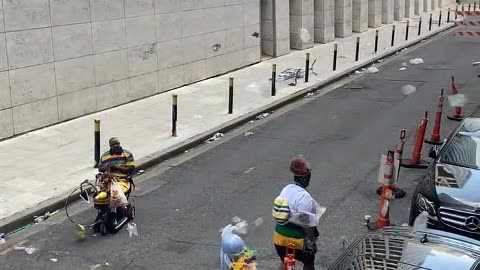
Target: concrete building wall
[(360, 15), (60, 59), (301, 24), (275, 27), (324, 20)]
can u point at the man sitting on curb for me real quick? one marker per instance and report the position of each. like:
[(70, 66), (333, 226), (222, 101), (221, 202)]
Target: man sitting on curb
[(297, 215)]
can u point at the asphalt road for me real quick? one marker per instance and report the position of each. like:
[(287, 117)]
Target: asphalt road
[(342, 133)]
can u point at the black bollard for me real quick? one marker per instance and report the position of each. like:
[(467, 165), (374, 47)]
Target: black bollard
[(376, 41), (230, 96), (474, 6), (407, 30), (469, 6), (274, 78), (393, 36), (440, 19), (448, 15), (456, 11), (357, 49), (174, 115), (96, 141), (430, 22), (307, 67), (420, 26), (335, 47)]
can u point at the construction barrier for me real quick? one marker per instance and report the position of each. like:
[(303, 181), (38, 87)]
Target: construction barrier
[(398, 193), (458, 116), (386, 176), (470, 26), (416, 161), (435, 138)]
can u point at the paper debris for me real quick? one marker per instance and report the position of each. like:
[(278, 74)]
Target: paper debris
[(258, 222), (215, 137), (54, 259), (476, 64), (261, 116), (372, 70), (309, 95), (132, 229), (402, 68), (249, 170), (416, 61), (408, 89), (248, 133)]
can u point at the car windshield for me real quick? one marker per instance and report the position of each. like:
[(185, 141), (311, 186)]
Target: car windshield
[(464, 149)]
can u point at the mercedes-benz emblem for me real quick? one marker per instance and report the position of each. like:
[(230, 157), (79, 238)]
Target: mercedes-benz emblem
[(472, 223)]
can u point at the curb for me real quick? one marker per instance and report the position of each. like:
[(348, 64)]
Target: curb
[(15, 221)]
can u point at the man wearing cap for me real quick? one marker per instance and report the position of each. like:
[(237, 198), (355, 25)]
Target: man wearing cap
[(296, 215)]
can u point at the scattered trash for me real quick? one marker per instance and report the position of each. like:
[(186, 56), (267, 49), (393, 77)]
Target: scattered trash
[(251, 122), (367, 219), (2, 235), (262, 116), (290, 73), (358, 72), (99, 267), (372, 70), (81, 233), (29, 250), (408, 89), (258, 222), (141, 172), (402, 68), (242, 227), (249, 170), (178, 210), (186, 151), (248, 133), (215, 137), (54, 259), (197, 116), (309, 95), (132, 229), (380, 60), (236, 219), (416, 61), (476, 64), (363, 69), (404, 225), (457, 100), (37, 219)]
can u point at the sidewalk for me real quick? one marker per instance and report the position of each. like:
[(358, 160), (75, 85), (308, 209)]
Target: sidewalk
[(48, 163)]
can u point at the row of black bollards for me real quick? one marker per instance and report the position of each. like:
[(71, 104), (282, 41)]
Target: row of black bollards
[(274, 74)]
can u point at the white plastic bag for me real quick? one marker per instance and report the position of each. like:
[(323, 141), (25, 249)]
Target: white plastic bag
[(305, 219), (117, 197)]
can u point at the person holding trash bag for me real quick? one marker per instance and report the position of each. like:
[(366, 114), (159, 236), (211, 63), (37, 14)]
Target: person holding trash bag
[(297, 214)]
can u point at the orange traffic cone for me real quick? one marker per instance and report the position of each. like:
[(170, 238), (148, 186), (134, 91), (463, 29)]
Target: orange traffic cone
[(398, 192), (458, 116), (383, 218), (416, 160), (435, 138)]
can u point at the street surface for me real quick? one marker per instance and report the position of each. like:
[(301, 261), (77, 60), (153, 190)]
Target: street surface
[(342, 134)]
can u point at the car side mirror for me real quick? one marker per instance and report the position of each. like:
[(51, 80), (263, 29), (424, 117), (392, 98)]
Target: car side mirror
[(432, 153)]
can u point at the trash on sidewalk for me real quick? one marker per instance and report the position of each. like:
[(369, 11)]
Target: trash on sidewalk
[(262, 116), (215, 137), (290, 73), (258, 222), (132, 229), (357, 72), (249, 170), (54, 259), (372, 70), (2, 238), (408, 89), (248, 133), (140, 172), (81, 233), (309, 95), (402, 68), (37, 219), (29, 250), (416, 61), (457, 100)]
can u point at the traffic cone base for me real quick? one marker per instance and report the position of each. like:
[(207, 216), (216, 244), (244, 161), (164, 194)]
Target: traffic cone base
[(397, 192), (439, 142), (455, 117), (409, 163), (382, 222)]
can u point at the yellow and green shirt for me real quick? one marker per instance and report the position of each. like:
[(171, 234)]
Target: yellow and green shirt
[(124, 159)]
